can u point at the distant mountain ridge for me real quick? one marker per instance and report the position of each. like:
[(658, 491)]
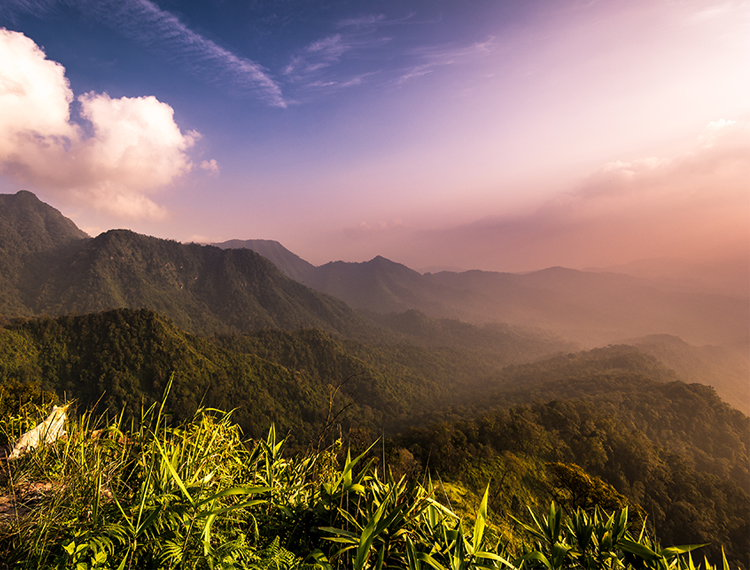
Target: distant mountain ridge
[(589, 307), (289, 263)]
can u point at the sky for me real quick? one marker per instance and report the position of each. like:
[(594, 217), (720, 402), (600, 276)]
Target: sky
[(506, 135)]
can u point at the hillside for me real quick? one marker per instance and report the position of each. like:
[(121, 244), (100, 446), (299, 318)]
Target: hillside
[(125, 357), (582, 453)]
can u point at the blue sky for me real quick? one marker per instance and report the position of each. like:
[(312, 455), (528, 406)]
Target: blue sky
[(505, 135)]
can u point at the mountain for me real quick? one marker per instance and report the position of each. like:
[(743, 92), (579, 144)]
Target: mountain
[(51, 267), (382, 286), (591, 307), (288, 263), (28, 225)]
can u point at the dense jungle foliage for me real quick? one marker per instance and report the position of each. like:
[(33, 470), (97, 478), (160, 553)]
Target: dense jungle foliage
[(122, 358)]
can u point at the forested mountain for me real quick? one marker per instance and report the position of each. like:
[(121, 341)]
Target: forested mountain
[(53, 268), (294, 378)]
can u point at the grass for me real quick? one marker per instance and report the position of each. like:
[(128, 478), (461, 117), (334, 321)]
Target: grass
[(198, 495)]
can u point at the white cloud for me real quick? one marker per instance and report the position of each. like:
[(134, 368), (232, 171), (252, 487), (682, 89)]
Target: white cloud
[(134, 147), (35, 96), (211, 166), (720, 129)]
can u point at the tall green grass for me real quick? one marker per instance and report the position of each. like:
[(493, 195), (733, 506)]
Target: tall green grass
[(198, 495)]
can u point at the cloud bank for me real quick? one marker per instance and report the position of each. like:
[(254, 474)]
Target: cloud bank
[(694, 206), (691, 206), (114, 157)]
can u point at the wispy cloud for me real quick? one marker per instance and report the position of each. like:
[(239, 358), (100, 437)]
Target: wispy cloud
[(326, 52), (318, 55), (362, 21), (429, 58), (343, 84), (145, 23)]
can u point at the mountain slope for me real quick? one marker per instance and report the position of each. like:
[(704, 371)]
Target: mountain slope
[(28, 225), (293, 378)]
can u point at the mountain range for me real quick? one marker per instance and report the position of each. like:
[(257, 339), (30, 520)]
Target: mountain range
[(590, 307), (471, 375), (50, 267)]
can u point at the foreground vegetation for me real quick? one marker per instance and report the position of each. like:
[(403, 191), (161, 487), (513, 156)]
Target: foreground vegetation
[(611, 427), (197, 495)]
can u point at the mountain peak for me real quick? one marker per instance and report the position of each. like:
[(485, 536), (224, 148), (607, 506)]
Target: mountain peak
[(288, 263), (29, 225)]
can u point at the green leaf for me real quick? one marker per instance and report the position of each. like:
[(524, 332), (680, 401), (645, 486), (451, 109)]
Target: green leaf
[(368, 535), (539, 557), (172, 472), (480, 522), (640, 550)]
